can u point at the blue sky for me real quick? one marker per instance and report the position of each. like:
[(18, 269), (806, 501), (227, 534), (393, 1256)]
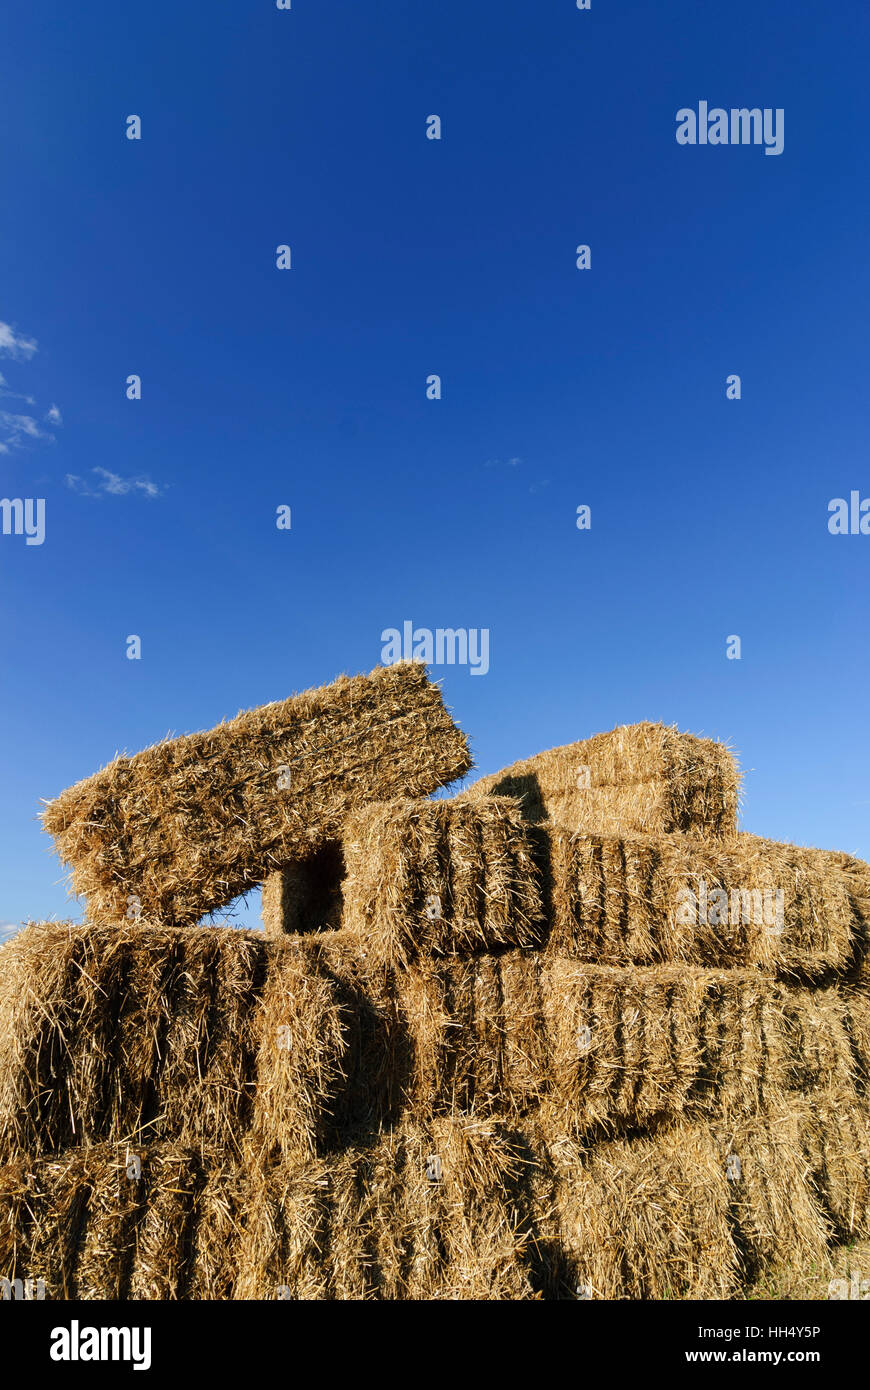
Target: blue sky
[(411, 257)]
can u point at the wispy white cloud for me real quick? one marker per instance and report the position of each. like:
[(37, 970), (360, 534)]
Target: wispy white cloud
[(13, 395), (110, 484), (18, 429), (14, 344), (536, 486), (22, 424), (8, 930)]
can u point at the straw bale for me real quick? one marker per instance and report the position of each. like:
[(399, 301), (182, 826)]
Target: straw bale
[(117, 1222), (778, 1217), (648, 1218), (112, 1212), (459, 1209), (690, 1210), (440, 878), (852, 876), (835, 1130), (42, 1209), (374, 1073), (305, 896), (639, 777), (283, 1248), (597, 1049), (300, 1046), (481, 1228), (857, 1007), (191, 823), (163, 1238), (220, 1212), (200, 1036), (375, 1222), (626, 900)]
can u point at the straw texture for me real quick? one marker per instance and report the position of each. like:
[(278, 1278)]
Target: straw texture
[(639, 777), (185, 827), (440, 878), (644, 899)]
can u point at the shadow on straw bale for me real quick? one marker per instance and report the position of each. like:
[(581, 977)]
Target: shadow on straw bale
[(641, 777)]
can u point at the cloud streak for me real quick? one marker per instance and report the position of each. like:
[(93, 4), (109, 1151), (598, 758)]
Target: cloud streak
[(109, 484), (13, 395), (14, 344), (18, 430)]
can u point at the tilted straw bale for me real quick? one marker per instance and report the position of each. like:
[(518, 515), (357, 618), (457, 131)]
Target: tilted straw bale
[(180, 830)]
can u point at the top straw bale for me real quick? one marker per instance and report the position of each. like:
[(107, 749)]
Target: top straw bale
[(640, 778), (186, 826)]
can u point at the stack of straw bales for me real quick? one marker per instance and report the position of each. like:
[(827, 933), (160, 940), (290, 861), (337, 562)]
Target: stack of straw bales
[(567, 1035)]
